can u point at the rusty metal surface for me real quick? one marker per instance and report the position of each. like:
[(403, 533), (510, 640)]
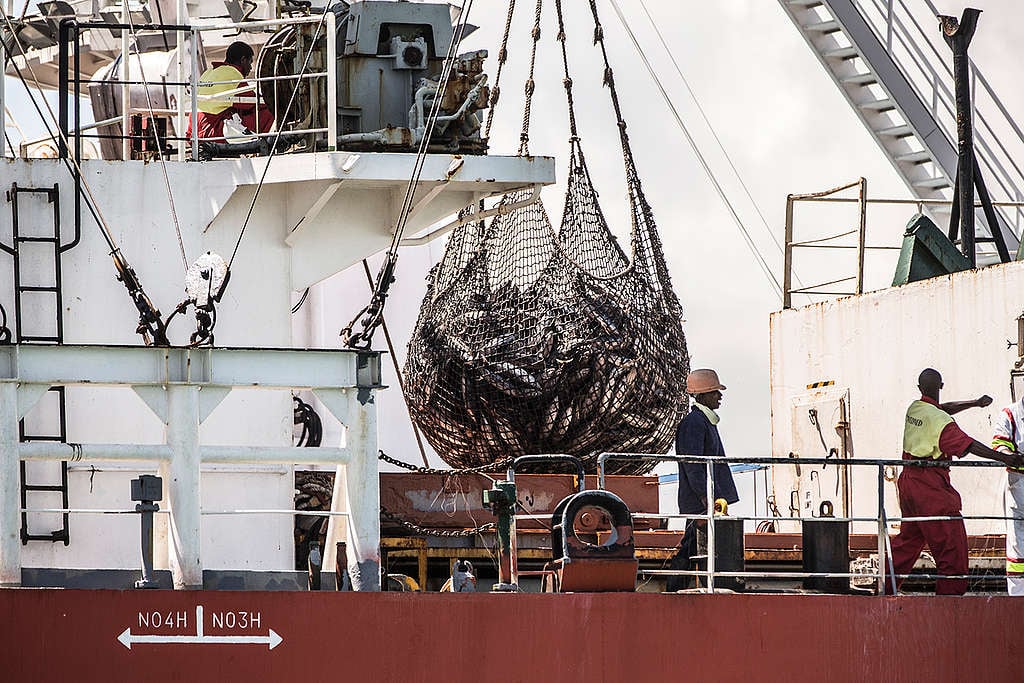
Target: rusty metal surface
[(597, 576), (73, 635), (455, 502)]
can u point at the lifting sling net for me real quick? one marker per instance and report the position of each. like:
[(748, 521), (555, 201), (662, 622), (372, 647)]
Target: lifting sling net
[(535, 341)]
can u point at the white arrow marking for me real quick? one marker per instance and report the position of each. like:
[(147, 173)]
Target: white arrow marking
[(272, 639)]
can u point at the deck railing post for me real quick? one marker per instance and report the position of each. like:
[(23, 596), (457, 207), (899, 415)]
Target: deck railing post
[(710, 492), (787, 270), (881, 530), (862, 233), (330, 66)]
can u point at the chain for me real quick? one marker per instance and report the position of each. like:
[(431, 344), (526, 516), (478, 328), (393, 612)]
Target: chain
[(502, 58), (424, 531), (524, 136), (493, 467)]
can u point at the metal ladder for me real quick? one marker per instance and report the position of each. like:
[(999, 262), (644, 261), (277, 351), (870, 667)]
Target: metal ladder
[(897, 78), (54, 335)]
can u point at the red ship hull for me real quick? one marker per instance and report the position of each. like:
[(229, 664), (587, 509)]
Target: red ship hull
[(97, 635)]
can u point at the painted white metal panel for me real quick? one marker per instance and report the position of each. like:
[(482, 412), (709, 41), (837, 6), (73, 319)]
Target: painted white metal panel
[(876, 345)]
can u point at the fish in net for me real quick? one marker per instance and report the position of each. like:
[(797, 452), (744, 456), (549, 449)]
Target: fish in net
[(535, 341)]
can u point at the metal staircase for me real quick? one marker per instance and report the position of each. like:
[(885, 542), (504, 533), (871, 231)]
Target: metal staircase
[(37, 278), (895, 72)]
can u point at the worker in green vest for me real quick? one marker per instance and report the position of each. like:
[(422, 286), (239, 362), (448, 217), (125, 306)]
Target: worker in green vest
[(226, 77), (931, 435)]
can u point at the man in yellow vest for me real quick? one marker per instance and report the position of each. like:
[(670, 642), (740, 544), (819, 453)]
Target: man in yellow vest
[(930, 434), (223, 77)]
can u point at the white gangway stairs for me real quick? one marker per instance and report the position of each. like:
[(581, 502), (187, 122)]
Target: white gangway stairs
[(888, 59)]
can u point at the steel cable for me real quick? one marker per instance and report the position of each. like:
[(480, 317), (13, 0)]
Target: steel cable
[(156, 133), (375, 309), (277, 138), (773, 281)]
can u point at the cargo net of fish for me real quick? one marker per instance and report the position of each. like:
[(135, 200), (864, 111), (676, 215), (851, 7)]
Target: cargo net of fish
[(531, 341)]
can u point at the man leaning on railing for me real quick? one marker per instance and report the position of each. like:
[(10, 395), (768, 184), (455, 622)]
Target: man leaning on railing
[(929, 433), (226, 77)]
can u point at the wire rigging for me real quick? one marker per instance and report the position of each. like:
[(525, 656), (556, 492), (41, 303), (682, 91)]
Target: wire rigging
[(150, 325), (502, 58), (714, 133), (156, 132), (277, 138), (374, 310), (773, 281)]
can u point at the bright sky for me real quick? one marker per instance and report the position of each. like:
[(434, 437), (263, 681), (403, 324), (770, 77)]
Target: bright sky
[(779, 116)]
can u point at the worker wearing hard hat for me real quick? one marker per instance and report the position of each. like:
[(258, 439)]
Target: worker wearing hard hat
[(224, 79), (929, 433), (1009, 438), (697, 434)]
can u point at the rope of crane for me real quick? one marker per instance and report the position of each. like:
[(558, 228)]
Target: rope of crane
[(714, 134), (502, 58), (156, 133), (372, 314), (759, 257), (524, 135)]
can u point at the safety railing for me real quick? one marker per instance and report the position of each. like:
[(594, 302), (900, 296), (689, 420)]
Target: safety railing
[(919, 52), (187, 99), (835, 241), (886, 572)]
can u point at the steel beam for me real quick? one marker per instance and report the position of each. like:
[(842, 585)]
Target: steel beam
[(173, 382), (261, 455), (10, 524), (145, 365), (183, 487)]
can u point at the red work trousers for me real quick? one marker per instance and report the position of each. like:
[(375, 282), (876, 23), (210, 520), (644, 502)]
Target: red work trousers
[(211, 126), (926, 492)]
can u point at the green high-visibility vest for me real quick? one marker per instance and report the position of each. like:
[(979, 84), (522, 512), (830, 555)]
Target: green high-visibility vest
[(215, 81), (924, 425)]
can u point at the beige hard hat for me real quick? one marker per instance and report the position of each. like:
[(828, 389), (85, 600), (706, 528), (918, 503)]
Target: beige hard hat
[(702, 381)]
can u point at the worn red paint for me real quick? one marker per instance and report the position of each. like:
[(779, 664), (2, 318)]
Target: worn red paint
[(50, 635)]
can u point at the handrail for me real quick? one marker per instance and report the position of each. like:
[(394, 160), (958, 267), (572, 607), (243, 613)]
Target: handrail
[(186, 108), (882, 519), (863, 201)]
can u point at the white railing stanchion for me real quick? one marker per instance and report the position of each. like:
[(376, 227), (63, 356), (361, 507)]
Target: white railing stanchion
[(332, 82), (126, 89), (181, 16), (194, 83), (881, 530), (709, 488)]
